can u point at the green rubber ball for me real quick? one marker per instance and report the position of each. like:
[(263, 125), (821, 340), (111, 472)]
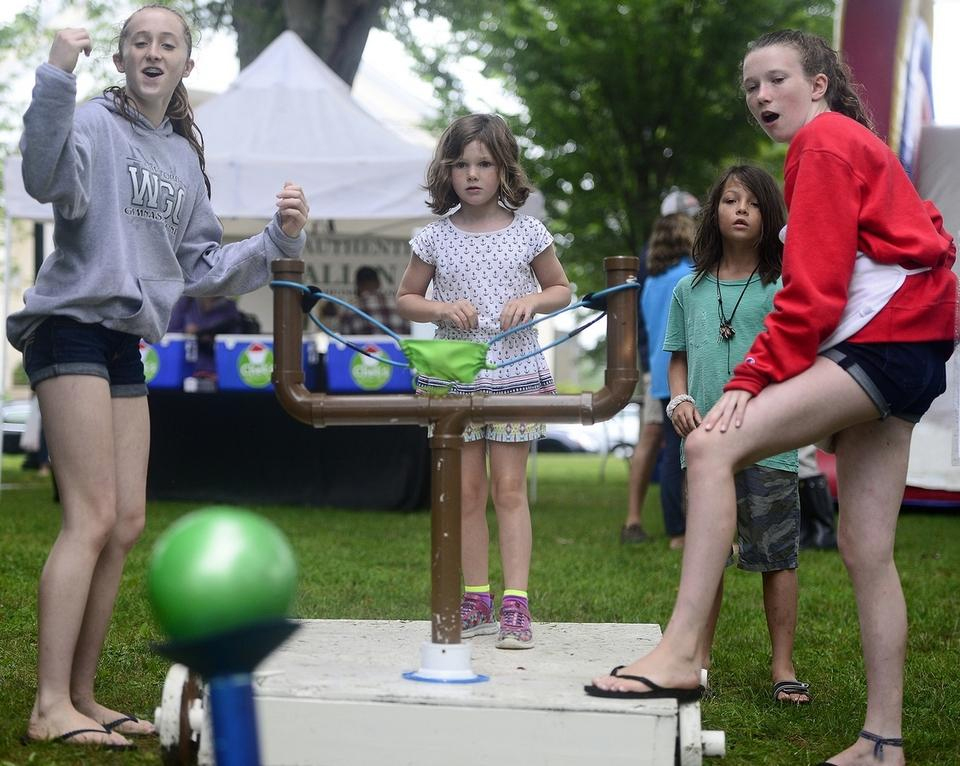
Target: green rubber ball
[(220, 568)]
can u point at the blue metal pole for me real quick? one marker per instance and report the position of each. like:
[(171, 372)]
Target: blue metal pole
[(234, 720)]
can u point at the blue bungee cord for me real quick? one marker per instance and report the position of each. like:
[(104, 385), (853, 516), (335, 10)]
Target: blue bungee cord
[(596, 301), (315, 294)]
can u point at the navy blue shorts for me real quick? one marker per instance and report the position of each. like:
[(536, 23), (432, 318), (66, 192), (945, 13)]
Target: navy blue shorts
[(63, 346), (902, 379)]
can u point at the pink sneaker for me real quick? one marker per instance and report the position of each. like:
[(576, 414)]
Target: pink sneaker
[(476, 618), (515, 625)]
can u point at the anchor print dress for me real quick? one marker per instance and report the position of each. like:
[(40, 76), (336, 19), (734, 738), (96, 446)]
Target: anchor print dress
[(488, 269)]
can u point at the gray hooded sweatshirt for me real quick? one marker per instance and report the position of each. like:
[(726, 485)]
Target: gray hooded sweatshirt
[(133, 227)]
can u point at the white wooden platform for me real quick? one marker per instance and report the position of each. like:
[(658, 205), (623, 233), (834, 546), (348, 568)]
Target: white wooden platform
[(334, 695)]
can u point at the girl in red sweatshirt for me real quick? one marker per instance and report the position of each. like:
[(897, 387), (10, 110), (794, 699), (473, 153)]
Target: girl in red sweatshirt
[(854, 350)]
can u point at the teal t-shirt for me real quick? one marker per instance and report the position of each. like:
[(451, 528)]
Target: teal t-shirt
[(693, 326)]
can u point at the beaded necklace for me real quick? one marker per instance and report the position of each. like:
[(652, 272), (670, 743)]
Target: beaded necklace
[(726, 324)]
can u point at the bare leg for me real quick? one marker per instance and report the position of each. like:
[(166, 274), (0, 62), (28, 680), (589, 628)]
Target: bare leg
[(780, 598), (710, 629), (131, 437), (871, 474), (642, 463), (508, 472), (819, 401), (475, 535), (77, 418)]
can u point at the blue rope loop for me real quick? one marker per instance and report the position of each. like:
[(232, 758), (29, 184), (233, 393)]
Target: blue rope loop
[(313, 294), (595, 301)]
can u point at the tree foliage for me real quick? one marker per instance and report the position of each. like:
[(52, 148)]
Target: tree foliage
[(622, 99)]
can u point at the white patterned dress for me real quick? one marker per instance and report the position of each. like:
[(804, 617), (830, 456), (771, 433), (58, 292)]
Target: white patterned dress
[(488, 269)]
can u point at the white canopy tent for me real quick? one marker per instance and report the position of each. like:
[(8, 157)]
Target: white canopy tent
[(934, 456), (287, 116)]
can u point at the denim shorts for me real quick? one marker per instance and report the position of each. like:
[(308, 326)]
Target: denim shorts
[(64, 346), (768, 519), (902, 379)]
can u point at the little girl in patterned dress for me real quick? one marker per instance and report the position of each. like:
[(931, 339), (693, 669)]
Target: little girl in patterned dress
[(492, 269)]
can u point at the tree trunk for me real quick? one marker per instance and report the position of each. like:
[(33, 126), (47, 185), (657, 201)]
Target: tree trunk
[(336, 30)]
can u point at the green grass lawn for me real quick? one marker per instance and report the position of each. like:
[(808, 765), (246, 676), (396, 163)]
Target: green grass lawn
[(375, 565)]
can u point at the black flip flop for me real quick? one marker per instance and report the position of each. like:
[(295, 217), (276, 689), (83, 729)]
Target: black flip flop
[(655, 691), (128, 719), (26, 739), (791, 687)]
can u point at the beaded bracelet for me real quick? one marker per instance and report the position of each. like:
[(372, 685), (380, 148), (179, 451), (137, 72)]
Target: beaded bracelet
[(677, 401)]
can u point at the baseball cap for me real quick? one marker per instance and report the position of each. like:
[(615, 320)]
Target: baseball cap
[(679, 201)]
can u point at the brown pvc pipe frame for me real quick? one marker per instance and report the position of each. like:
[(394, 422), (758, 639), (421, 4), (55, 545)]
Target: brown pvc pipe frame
[(451, 415)]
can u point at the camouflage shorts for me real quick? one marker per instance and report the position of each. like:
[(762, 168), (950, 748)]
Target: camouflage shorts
[(768, 519)]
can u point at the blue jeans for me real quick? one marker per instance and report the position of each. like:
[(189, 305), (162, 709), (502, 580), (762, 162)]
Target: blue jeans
[(671, 480)]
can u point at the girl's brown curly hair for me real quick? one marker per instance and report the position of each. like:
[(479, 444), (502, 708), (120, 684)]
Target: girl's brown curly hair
[(492, 131)]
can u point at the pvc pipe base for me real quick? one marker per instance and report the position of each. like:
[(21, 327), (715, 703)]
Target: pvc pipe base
[(445, 664)]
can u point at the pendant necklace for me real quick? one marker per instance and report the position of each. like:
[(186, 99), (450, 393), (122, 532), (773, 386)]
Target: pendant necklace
[(726, 324)]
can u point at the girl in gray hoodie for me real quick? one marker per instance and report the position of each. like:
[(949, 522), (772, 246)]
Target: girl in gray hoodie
[(133, 229)]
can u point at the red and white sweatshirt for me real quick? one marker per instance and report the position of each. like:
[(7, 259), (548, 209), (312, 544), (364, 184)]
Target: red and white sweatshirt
[(847, 192)]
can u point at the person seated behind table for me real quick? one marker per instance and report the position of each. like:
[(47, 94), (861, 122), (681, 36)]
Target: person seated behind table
[(375, 302), (206, 317)]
